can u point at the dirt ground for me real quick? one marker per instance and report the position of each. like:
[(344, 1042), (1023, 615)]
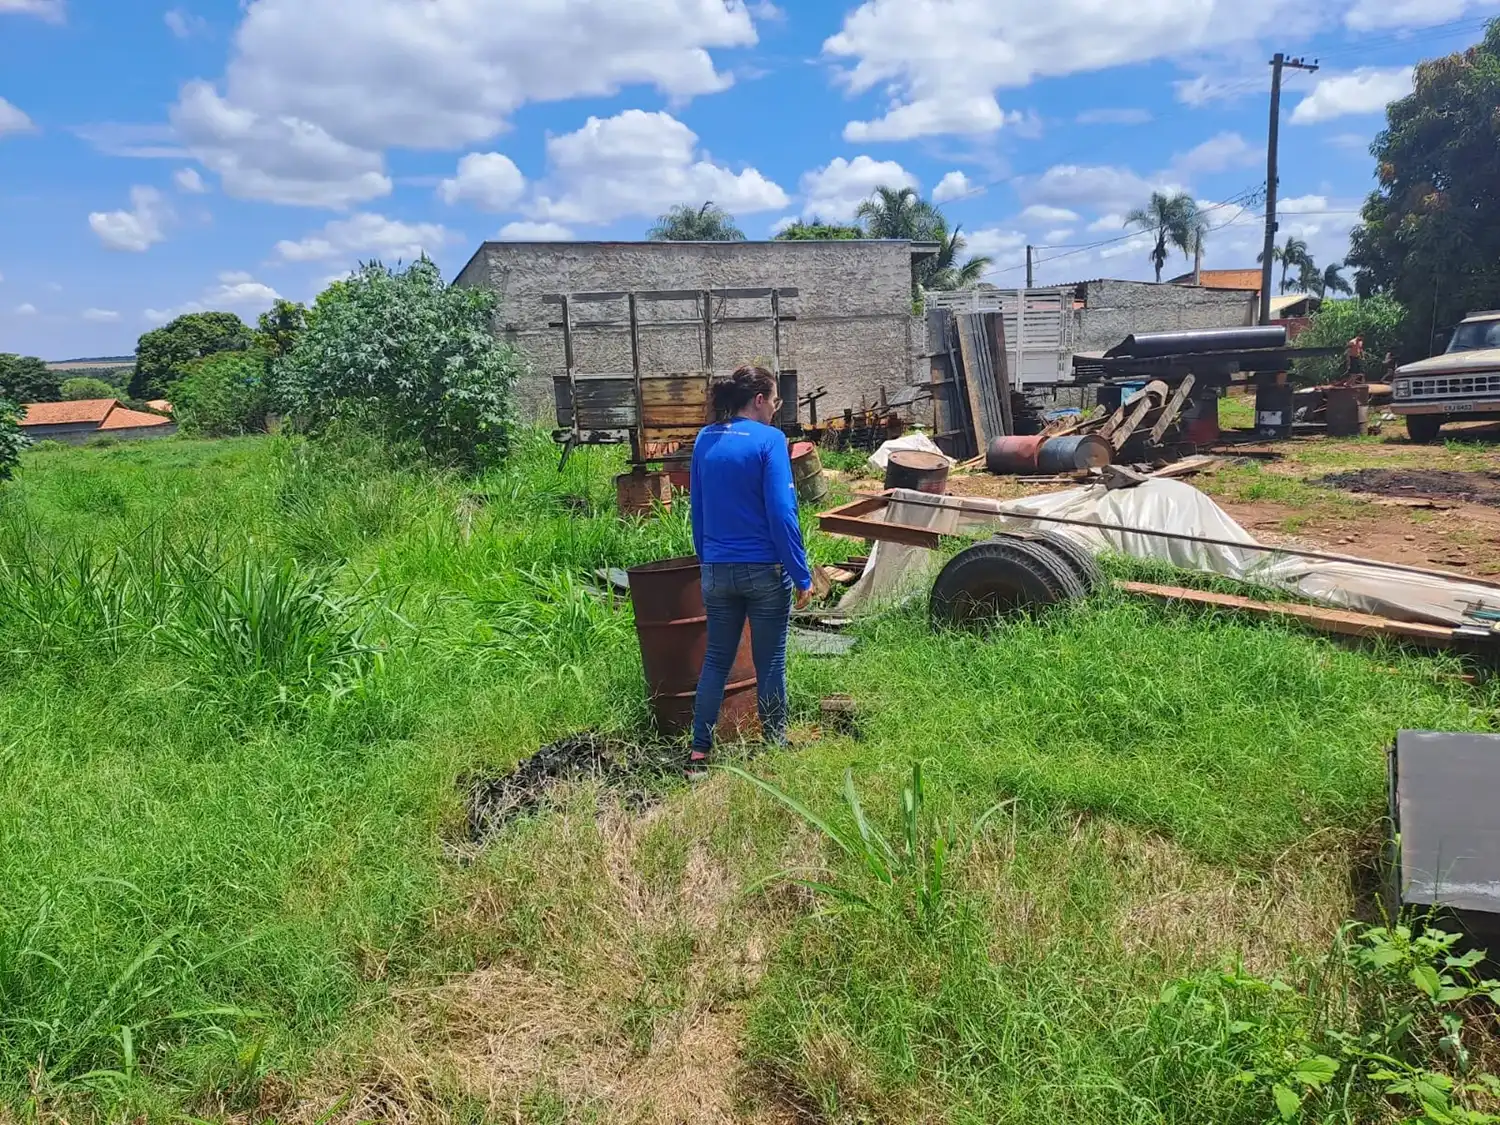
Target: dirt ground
[(1379, 496)]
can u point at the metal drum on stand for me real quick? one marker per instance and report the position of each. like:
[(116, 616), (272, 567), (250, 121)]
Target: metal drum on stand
[(638, 493)]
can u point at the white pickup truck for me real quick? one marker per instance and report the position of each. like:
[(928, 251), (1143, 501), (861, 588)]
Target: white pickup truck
[(1462, 384)]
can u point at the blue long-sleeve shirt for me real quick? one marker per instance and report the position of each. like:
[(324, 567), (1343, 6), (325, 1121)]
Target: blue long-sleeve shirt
[(743, 500)]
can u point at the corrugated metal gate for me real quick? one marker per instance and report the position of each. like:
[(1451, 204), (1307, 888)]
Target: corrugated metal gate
[(1041, 328)]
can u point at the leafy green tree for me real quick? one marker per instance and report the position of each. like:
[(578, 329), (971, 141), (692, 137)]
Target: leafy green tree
[(279, 327), (409, 358), (24, 378), (1173, 220), (1430, 235), (815, 229), (1380, 320), (73, 390), (162, 355), (222, 395), (12, 440), (686, 223)]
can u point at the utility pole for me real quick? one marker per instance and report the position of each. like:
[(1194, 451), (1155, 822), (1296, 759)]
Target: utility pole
[(1278, 63), (1028, 268)]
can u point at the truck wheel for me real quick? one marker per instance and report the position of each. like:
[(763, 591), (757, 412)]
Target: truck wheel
[(1423, 428)]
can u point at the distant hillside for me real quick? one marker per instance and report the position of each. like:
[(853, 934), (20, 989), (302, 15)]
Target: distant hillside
[(93, 361)]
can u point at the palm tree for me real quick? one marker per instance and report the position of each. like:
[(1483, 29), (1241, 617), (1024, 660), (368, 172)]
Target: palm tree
[(1331, 281), (940, 271), (1292, 256), (900, 213), (686, 223), (1175, 220)]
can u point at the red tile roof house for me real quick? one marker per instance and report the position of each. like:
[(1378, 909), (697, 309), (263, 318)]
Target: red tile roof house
[(77, 422)]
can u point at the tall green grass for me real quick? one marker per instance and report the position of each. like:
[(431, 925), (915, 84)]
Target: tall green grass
[(238, 681)]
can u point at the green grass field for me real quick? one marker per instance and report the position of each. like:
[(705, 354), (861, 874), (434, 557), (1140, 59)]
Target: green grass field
[(240, 679)]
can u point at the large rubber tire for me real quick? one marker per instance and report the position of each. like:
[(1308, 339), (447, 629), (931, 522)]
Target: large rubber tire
[(997, 579), (1084, 565), (1423, 428)]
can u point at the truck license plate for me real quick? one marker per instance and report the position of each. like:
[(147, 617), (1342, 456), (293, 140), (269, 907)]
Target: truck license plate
[(1460, 407)]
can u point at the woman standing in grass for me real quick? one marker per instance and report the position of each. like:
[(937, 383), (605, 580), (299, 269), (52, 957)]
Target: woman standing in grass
[(749, 540)]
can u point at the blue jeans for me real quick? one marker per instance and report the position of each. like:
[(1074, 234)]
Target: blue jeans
[(731, 593)]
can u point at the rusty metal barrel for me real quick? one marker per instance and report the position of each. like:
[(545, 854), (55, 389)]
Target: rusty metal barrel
[(1013, 454), (1069, 454), (1347, 410), (912, 468), (637, 493), (807, 473), (672, 628)]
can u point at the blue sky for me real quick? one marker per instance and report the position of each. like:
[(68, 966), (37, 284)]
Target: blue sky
[(157, 158)]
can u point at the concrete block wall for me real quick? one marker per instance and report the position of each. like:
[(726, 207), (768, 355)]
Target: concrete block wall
[(852, 334), (1114, 309)]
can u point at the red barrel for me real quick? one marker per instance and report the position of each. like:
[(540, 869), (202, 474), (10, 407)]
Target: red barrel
[(924, 472), (680, 473), (1013, 454), (672, 628), (638, 493), (1200, 418)]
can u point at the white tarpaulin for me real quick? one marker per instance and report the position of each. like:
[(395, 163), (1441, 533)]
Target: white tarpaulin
[(1162, 505), (917, 442)]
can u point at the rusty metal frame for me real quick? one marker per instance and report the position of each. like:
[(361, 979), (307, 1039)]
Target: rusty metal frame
[(853, 520)]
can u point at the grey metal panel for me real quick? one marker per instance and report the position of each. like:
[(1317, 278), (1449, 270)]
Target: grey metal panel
[(1448, 816)]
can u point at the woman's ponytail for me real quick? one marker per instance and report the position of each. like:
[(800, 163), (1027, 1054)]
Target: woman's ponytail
[(733, 394)]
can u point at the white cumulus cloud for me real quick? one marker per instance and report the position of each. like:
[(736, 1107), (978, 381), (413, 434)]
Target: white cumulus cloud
[(236, 291), (25, 309), (1103, 187), (137, 229), (1046, 213), (188, 180), (184, 24), (1365, 90), (489, 180), (367, 235), (315, 91), (639, 164), (47, 9), (522, 231), (940, 62), (278, 159), (955, 185), (101, 316), (835, 191), (13, 120), (1217, 154), (1369, 15)]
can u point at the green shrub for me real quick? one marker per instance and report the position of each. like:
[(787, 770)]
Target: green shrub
[(12, 440), (1378, 319), (409, 358), (74, 390), (222, 395)]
